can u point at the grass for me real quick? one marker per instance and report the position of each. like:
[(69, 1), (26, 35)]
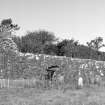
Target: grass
[(32, 96)]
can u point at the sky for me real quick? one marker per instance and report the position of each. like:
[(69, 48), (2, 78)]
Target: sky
[(82, 20)]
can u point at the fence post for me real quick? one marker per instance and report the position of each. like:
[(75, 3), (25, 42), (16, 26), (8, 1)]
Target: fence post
[(8, 83), (23, 82), (14, 83), (0, 83), (3, 82)]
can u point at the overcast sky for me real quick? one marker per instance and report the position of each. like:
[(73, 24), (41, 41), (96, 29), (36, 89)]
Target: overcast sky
[(82, 20)]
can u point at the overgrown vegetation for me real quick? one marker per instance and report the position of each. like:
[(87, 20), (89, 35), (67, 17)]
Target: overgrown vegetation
[(44, 42), (16, 65)]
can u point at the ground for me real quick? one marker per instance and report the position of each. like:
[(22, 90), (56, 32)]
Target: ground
[(31, 96)]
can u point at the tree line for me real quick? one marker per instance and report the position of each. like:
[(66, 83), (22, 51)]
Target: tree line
[(45, 42)]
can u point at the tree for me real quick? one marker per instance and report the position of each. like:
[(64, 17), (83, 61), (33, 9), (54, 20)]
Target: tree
[(36, 41), (7, 27), (67, 47), (8, 49), (61, 47), (96, 44), (18, 41), (44, 37), (50, 49)]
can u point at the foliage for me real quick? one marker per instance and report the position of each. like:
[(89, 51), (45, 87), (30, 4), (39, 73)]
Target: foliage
[(96, 43), (45, 42), (67, 47), (22, 67), (18, 42), (35, 42), (8, 49), (7, 25), (7, 28), (50, 49)]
